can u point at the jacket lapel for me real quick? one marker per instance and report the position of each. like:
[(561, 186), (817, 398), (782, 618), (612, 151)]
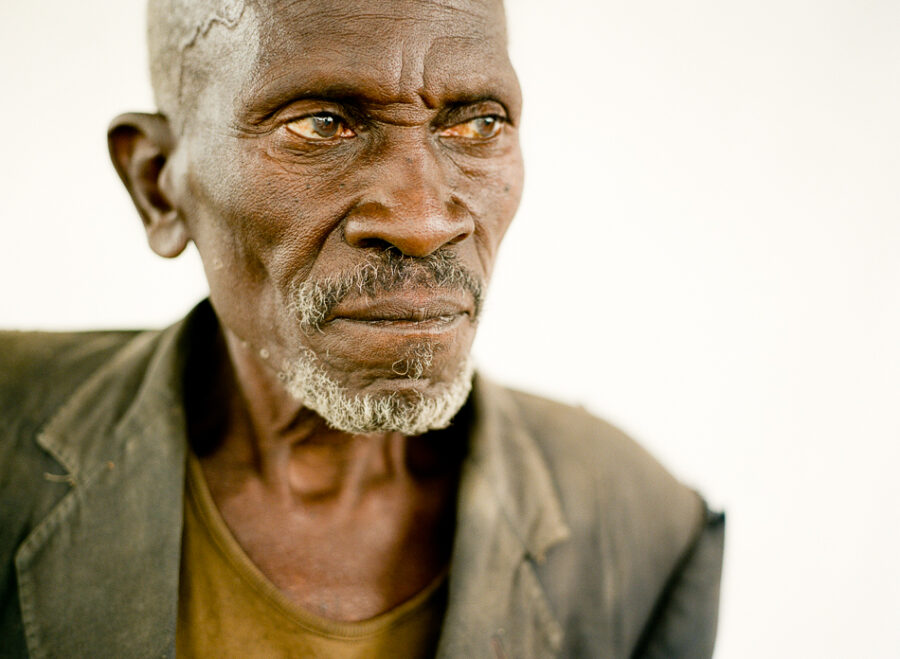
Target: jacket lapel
[(509, 516), (107, 556)]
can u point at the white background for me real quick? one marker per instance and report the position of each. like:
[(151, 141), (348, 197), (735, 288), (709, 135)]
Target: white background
[(707, 255)]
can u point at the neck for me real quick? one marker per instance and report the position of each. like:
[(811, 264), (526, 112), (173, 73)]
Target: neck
[(257, 428)]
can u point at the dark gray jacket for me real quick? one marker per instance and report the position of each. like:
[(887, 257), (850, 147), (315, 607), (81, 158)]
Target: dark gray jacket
[(571, 540)]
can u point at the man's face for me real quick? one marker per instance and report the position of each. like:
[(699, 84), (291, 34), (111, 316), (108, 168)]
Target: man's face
[(347, 178)]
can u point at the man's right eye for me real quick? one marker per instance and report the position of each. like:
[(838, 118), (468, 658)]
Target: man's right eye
[(320, 127)]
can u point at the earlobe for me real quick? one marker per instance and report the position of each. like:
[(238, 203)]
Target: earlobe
[(140, 146)]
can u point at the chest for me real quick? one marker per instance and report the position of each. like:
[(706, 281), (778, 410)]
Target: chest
[(347, 555)]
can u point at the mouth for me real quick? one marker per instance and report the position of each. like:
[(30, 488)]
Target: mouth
[(412, 309), (416, 332)]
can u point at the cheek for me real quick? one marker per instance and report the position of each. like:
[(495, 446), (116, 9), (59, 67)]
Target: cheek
[(263, 218), (509, 194), (495, 193), (253, 229)]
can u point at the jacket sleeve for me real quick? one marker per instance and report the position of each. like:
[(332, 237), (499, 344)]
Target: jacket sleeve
[(683, 624)]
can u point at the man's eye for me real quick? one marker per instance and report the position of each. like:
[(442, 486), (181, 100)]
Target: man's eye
[(320, 127), (480, 128)]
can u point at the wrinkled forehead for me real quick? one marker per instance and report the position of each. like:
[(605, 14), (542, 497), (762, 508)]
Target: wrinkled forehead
[(383, 50)]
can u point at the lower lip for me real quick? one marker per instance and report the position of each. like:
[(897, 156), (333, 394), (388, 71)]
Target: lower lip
[(428, 326)]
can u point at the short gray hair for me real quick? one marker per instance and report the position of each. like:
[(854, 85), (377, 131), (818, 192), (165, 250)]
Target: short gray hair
[(174, 27)]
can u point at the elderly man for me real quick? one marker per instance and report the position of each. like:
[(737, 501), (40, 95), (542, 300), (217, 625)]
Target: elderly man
[(306, 465)]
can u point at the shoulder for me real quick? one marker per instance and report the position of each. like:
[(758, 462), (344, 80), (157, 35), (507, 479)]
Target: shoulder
[(28, 352), (39, 370), (591, 458), (634, 526)]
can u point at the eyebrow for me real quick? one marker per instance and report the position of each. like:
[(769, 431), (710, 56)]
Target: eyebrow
[(262, 102)]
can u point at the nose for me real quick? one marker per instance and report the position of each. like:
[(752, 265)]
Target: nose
[(410, 207)]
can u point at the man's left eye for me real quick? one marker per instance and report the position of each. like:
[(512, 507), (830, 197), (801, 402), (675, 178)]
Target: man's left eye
[(320, 127), (480, 128)]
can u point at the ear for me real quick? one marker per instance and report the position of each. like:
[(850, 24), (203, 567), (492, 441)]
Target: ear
[(140, 145)]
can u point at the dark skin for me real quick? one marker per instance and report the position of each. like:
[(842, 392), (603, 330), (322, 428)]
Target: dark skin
[(356, 126)]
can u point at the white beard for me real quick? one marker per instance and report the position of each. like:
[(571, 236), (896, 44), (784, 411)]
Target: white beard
[(408, 414)]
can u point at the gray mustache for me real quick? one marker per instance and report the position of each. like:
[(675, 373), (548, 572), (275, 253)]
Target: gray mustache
[(388, 270)]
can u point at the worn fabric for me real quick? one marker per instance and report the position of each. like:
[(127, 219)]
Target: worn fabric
[(227, 607), (571, 540)]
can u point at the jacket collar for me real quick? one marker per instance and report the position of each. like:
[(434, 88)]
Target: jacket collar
[(100, 573)]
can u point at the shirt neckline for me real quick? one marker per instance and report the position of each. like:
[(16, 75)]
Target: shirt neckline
[(200, 498)]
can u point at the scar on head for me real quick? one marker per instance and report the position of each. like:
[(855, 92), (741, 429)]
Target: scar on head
[(176, 26)]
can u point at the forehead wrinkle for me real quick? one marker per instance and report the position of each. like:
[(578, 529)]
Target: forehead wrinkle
[(278, 6), (338, 45), (497, 80), (338, 81), (308, 17)]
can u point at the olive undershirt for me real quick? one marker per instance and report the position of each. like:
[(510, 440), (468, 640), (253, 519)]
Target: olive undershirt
[(228, 608)]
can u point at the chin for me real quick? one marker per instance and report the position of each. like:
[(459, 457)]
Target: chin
[(405, 397)]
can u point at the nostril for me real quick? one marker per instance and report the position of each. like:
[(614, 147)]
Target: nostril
[(372, 243), (458, 238)]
